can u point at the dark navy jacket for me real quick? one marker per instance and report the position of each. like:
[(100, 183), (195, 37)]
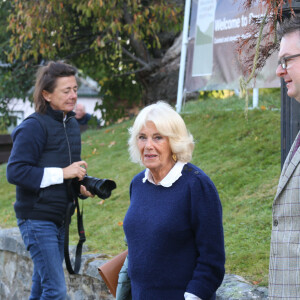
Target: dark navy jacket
[(84, 120), (42, 140)]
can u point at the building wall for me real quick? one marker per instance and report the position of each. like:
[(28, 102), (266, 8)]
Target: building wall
[(22, 109)]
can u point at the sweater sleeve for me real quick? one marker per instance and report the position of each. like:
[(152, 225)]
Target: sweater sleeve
[(206, 220), (28, 142)]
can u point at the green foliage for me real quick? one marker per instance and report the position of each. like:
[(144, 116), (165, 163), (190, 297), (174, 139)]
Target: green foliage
[(93, 123), (105, 39), (241, 156), (15, 76), (218, 94), (118, 94), (268, 99)]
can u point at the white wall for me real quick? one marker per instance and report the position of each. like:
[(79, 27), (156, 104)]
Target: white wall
[(89, 104), (23, 109)]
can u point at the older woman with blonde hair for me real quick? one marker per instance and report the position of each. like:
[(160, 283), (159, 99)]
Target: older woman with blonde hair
[(173, 225)]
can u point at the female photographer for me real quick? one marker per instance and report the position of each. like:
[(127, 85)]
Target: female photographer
[(44, 159)]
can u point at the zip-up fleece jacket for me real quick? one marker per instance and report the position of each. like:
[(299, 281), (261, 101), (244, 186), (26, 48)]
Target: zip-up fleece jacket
[(42, 140)]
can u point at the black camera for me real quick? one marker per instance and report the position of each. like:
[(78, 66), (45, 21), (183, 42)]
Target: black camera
[(100, 187)]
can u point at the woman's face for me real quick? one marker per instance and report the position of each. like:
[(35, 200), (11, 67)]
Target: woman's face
[(155, 150), (64, 96)]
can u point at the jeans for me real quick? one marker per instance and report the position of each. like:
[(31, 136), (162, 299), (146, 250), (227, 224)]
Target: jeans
[(45, 242)]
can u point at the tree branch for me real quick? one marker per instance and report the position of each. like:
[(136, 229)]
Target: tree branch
[(131, 72), (140, 61), (137, 45)]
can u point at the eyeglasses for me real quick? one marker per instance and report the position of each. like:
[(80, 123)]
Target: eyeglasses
[(283, 60)]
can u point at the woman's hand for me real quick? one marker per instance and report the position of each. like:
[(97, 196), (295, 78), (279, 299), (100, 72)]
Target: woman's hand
[(76, 169), (85, 192)]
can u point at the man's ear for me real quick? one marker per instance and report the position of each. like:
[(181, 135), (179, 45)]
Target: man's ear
[(46, 95)]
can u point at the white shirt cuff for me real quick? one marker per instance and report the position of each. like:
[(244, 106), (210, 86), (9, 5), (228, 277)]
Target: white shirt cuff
[(189, 296), (52, 176)]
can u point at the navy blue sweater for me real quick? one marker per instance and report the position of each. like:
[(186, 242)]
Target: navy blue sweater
[(43, 141), (175, 238)]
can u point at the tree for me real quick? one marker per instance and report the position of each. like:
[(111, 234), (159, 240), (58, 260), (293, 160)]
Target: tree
[(119, 43), (260, 39), (15, 77)]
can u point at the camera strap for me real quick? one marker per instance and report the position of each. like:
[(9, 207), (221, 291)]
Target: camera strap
[(70, 210)]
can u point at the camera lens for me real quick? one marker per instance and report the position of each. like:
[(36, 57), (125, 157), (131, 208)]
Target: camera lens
[(100, 187), (104, 188)]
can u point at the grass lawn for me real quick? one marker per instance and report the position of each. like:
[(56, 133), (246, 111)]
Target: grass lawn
[(240, 154)]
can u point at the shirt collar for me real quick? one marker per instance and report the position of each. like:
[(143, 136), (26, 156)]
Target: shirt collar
[(170, 178)]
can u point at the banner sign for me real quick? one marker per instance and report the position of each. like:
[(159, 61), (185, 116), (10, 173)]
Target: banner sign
[(203, 46), (212, 57)]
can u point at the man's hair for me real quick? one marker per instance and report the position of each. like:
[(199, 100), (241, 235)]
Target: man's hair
[(46, 79), (289, 25)]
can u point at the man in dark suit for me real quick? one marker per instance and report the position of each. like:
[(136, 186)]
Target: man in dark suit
[(81, 116)]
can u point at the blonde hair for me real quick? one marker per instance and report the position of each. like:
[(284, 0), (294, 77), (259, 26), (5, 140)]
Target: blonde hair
[(170, 124)]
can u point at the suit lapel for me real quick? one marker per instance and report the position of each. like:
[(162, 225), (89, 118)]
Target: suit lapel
[(288, 168)]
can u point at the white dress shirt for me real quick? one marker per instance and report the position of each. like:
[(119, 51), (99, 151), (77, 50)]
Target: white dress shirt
[(52, 176)]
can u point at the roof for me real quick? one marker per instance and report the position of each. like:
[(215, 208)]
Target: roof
[(88, 87)]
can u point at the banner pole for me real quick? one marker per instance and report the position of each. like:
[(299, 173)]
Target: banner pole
[(255, 97), (183, 54)]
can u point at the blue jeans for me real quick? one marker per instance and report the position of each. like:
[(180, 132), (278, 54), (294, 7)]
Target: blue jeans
[(45, 242)]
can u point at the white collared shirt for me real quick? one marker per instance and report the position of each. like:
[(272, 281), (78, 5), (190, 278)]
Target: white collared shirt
[(52, 176), (189, 296), (170, 178), (167, 181)]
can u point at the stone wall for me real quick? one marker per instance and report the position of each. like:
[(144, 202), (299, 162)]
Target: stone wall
[(16, 270)]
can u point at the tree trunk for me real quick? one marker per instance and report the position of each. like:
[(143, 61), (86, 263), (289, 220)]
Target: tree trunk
[(162, 84)]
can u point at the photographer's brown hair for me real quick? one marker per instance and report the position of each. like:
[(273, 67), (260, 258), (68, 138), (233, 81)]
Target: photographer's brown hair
[(46, 78)]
